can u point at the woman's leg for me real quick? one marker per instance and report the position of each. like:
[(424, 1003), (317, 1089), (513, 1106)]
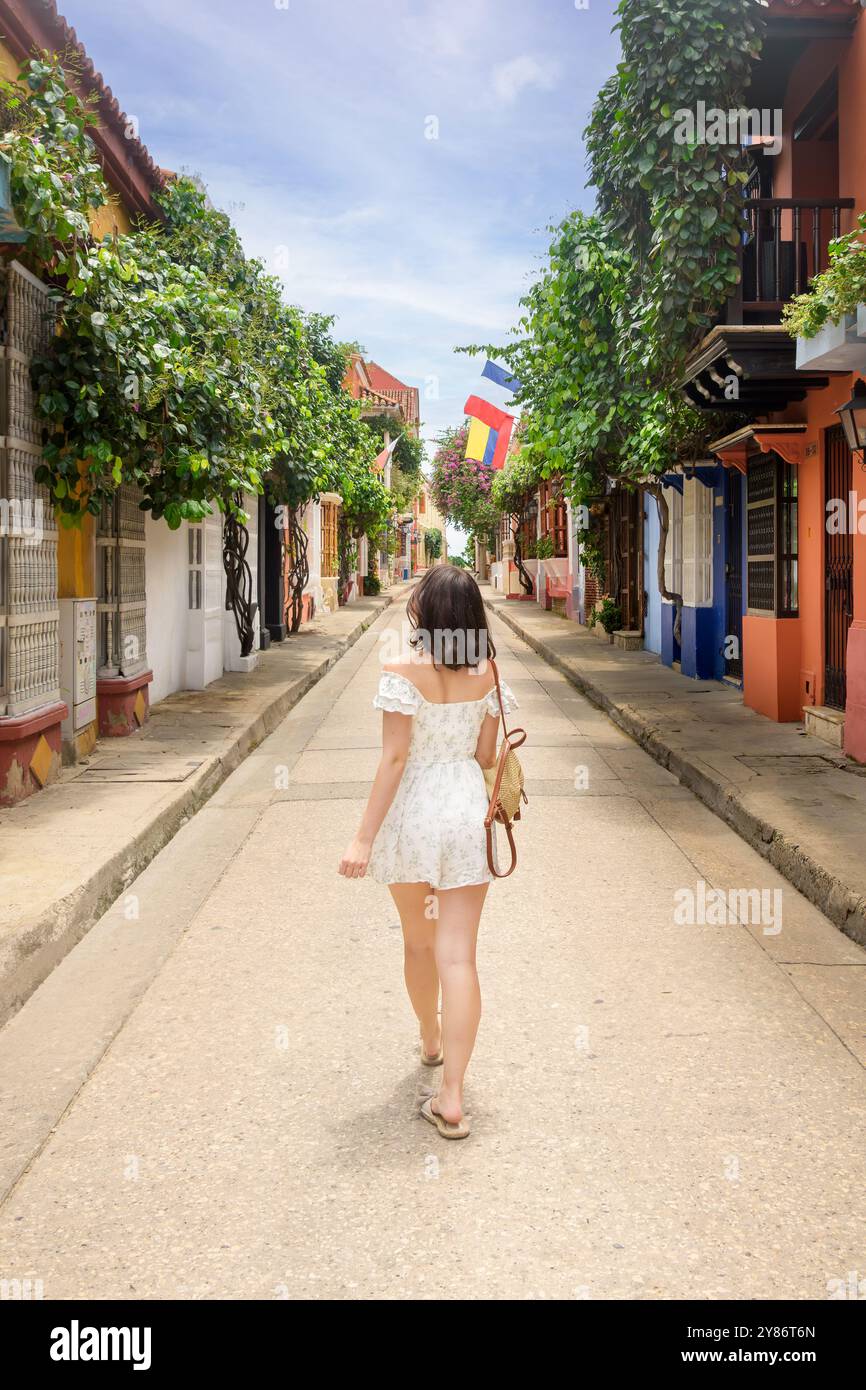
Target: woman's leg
[(456, 934), (413, 902)]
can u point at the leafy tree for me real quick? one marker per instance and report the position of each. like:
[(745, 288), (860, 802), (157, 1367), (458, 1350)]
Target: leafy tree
[(432, 544), (176, 366), (409, 454)]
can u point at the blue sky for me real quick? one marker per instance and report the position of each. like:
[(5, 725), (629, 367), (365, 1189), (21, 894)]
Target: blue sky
[(310, 121)]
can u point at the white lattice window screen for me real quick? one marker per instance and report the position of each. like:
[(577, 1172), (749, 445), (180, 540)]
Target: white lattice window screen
[(688, 589), (196, 566), (29, 612), (703, 545), (122, 599), (674, 551), (697, 590)]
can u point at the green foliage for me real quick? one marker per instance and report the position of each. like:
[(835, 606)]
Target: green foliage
[(590, 413), (147, 383), (466, 561), (592, 554), (56, 179), (461, 487), (674, 204), (367, 503), (837, 291), (177, 366), (513, 484), (432, 544), (404, 488), (607, 614), (409, 453), (627, 292)]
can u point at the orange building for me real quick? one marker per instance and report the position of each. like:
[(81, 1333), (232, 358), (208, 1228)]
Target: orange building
[(803, 584)]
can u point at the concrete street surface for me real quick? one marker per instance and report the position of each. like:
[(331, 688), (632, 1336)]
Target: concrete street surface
[(215, 1094)]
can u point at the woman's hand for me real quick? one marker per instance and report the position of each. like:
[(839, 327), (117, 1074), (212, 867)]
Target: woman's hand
[(354, 862)]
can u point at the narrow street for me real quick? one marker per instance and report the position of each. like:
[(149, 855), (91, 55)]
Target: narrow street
[(659, 1110)]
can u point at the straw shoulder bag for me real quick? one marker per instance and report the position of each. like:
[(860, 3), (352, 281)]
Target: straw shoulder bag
[(504, 788)]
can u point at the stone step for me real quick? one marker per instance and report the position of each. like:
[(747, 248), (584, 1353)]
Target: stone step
[(825, 723), (628, 640)]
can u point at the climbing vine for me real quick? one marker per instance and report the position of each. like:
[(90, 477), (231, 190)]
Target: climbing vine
[(176, 366), (669, 186), (627, 291)]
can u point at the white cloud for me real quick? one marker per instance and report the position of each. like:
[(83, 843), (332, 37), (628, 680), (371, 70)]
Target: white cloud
[(510, 79)]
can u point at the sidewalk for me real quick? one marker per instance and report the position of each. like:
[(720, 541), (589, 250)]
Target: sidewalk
[(68, 852), (796, 800)]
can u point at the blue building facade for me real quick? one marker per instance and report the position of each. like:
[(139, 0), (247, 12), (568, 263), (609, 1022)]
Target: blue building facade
[(695, 567), (652, 627)]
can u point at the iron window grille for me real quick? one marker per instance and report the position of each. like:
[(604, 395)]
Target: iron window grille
[(772, 538)]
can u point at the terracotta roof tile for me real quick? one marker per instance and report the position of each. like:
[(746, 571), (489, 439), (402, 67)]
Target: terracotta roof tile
[(382, 380), (36, 24)]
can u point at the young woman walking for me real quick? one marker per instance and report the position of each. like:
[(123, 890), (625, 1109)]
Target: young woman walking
[(422, 831)]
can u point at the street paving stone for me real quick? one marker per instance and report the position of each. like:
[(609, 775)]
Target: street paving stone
[(658, 1110)]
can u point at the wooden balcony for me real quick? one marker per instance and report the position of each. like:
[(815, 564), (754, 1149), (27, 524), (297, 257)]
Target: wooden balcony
[(784, 244)]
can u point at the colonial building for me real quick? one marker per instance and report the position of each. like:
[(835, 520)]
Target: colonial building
[(774, 599), (383, 396), (98, 622), (72, 610)]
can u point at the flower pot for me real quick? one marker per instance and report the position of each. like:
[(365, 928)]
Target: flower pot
[(839, 347)]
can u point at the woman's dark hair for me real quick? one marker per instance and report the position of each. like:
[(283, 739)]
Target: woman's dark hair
[(450, 621)]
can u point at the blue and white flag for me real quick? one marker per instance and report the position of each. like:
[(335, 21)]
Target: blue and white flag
[(501, 376)]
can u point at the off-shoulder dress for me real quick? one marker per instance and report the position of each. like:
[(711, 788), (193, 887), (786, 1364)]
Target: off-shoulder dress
[(434, 830)]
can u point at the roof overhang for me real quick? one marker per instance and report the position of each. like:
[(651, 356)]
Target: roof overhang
[(706, 472), (29, 28), (735, 450), (748, 368), (818, 18)]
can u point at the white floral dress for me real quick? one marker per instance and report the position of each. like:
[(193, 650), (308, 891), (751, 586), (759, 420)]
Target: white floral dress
[(434, 830)]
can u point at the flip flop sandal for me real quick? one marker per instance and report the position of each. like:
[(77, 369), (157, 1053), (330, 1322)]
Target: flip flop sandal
[(448, 1131), (427, 1061)]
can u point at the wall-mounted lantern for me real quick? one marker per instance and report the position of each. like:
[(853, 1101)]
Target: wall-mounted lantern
[(853, 417)]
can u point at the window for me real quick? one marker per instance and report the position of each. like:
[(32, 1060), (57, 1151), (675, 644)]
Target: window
[(772, 537), (195, 567), (674, 548), (789, 593), (697, 544), (330, 553), (554, 518), (528, 533)]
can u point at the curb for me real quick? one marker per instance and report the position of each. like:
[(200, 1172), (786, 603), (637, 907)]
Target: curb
[(844, 908), (60, 927)]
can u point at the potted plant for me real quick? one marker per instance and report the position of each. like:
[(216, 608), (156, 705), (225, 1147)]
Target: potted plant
[(829, 321)]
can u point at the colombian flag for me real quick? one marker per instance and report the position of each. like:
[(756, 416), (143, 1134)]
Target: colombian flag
[(490, 428)]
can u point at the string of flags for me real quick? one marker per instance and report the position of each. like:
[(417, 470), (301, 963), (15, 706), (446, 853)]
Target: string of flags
[(490, 426)]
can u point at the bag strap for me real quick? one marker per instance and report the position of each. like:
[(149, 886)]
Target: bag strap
[(514, 737), (491, 863), (499, 697), (511, 739)]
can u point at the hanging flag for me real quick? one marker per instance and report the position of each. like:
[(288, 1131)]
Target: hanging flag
[(501, 376), (381, 459), (489, 432), (477, 440)]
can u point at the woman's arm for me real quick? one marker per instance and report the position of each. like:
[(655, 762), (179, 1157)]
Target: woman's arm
[(396, 733), (485, 749)]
